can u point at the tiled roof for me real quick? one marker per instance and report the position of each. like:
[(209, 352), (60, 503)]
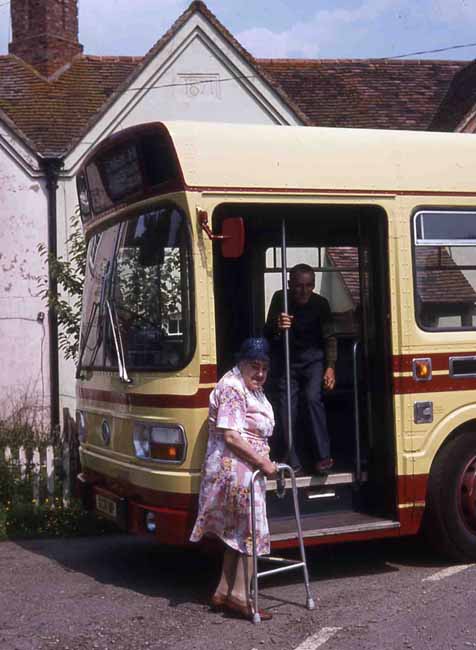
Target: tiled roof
[(460, 100), (366, 93), (439, 280), (347, 257), (53, 114)]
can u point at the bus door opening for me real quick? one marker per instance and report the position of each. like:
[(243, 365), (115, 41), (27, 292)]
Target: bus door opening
[(343, 246)]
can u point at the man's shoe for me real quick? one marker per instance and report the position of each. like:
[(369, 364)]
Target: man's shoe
[(324, 466), (298, 471)]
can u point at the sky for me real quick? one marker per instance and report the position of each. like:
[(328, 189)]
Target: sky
[(286, 28)]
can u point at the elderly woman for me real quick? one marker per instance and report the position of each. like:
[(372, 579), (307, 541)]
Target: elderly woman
[(240, 423)]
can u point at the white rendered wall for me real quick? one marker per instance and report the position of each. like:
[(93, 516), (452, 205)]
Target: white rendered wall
[(24, 375), (198, 86), (198, 76)]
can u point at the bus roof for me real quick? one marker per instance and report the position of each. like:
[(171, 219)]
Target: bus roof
[(219, 156)]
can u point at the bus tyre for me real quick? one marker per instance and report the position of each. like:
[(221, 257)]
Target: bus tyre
[(450, 516)]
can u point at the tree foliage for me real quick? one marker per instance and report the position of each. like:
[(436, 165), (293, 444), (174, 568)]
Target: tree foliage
[(69, 275)]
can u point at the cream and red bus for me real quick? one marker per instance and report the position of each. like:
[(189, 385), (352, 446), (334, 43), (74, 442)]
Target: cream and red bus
[(186, 225)]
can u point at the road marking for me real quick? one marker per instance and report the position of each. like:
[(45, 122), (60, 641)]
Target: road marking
[(445, 573), (318, 639)]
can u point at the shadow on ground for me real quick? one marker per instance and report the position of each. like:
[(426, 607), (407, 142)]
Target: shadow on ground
[(189, 575)]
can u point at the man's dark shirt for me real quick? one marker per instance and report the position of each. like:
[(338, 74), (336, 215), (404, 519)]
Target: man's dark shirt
[(312, 326)]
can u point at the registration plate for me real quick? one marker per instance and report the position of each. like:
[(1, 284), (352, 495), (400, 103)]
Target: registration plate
[(106, 506)]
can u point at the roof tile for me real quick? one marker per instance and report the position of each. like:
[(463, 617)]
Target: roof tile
[(365, 93), (54, 114)]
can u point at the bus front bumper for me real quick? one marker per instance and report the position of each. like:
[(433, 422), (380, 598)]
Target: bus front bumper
[(167, 525)]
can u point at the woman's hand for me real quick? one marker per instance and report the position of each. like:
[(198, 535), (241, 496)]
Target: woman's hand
[(245, 451), (268, 468)]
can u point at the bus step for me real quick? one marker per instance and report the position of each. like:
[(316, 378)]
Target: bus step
[(332, 523), (315, 498), (334, 478)]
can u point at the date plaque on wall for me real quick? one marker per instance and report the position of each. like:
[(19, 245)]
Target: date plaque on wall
[(202, 86)]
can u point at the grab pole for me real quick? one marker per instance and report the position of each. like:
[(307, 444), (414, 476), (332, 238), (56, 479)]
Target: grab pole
[(284, 281)]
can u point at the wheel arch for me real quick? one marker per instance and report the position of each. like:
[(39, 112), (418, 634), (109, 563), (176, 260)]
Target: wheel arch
[(450, 513), (453, 425), (465, 428)]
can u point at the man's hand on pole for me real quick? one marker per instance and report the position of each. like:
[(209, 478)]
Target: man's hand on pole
[(285, 321), (329, 379)]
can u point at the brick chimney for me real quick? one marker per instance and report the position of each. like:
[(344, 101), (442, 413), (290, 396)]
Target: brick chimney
[(45, 33)]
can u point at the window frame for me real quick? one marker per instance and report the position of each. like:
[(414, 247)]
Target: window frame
[(193, 317), (417, 243)]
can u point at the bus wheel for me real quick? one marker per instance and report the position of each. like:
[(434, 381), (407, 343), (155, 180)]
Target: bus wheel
[(450, 517)]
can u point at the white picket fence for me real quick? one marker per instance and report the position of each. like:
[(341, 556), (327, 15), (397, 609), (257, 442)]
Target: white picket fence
[(49, 471), (41, 468)]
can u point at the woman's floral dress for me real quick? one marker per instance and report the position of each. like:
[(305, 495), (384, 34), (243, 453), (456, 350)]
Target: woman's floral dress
[(225, 495)]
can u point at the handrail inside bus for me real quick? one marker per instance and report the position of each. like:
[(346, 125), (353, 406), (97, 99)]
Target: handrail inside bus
[(358, 461), (287, 359)]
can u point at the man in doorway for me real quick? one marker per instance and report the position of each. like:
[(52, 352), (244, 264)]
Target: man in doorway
[(313, 353)]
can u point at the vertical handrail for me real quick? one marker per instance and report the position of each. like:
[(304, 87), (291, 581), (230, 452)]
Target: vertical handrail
[(287, 361), (358, 461)]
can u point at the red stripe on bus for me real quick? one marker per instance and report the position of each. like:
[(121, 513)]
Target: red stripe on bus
[(439, 361), (324, 190), (412, 488), (173, 500), (208, 373), (198, 400), (438, 384)]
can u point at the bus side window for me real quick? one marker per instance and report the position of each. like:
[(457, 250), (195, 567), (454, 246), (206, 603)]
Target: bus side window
[(445, 270)]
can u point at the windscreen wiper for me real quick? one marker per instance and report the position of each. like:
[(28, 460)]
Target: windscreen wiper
[(116, 334)]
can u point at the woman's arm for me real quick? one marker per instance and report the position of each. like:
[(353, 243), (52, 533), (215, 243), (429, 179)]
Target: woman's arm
[(246, 452)]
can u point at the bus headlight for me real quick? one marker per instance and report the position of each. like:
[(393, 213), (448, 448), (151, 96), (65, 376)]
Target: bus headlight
[(141, 441), (165, 443)]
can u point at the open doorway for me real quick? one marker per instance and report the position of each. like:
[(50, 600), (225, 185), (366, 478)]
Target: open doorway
[(346, 246)]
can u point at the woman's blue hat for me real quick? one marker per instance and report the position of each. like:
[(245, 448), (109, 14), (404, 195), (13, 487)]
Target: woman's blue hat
[(254, 349)]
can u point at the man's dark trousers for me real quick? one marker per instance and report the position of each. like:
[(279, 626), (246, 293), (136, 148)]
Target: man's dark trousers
[(307, 368)]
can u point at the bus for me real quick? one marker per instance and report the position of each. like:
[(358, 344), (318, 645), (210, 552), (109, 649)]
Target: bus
[(187, 225)]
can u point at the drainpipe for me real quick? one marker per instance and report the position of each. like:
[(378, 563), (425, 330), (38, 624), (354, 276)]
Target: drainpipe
[(52, 167)]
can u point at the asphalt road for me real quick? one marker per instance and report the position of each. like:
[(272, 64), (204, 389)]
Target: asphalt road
[(120, 592)]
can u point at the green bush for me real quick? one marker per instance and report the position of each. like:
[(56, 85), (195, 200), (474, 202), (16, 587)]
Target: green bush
[(31, 520), (22, 516)]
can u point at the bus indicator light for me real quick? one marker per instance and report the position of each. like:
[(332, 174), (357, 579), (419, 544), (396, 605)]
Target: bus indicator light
[(422, 370)]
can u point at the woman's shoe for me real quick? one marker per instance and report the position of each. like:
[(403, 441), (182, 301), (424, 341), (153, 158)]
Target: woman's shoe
[(218, 602), (245, 610)]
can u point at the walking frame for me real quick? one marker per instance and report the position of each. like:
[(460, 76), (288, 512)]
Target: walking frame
[(289, 565)]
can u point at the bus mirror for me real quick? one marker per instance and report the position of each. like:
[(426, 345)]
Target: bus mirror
[(233, 233)]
